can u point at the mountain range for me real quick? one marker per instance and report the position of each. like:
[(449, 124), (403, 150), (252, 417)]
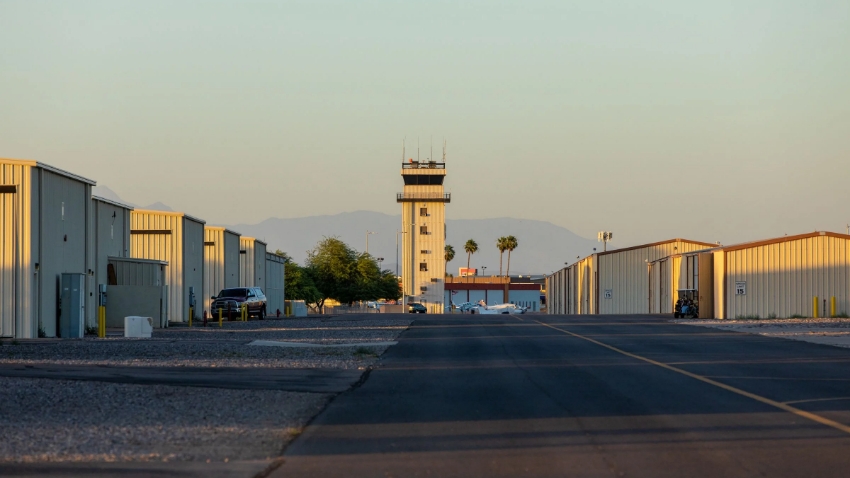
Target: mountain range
[(543, 246)]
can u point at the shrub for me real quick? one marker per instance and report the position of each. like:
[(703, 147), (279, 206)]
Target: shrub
[(747, 317), (771, 315), (797, 316)]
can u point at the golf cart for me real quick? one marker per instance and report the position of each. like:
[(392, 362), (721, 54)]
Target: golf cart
[(687, 305)]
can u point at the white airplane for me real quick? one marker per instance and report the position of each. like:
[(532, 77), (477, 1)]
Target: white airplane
[(483, 308)]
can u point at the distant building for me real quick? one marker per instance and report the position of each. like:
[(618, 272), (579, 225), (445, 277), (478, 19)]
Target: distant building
[(493, 290), (423, 222), (464, 272)]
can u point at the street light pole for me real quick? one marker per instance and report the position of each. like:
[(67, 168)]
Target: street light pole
[(368, 233), (397, 233)]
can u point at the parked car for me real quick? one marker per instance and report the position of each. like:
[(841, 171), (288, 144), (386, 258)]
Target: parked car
[(416, 308), (231, 300)]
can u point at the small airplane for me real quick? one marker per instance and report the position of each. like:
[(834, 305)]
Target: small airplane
[(483, 308)]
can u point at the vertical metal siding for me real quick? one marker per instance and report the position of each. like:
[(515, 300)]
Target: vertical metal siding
[(231, 260), (138, 273), (16, 301), (109, 238), (193, 265), (213, 264), (161, 247), (260, 265), (783, 278), (64, 239), (275, 271), (221, 262), (246, 262), (626, 275)]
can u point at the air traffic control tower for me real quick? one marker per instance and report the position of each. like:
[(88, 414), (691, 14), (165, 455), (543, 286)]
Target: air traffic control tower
[(423, 232)]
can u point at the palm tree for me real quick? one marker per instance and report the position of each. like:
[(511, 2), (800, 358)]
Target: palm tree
[(502, 246), (450, 254), (512, 244), (471, 247)]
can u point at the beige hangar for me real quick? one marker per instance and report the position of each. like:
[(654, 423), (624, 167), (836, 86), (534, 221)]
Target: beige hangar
[(252, 263), (177, 239), (782, 276), (45, 223), (221, 262)]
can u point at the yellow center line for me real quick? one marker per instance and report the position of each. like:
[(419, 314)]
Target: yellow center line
[(782, 406), (818, 400)]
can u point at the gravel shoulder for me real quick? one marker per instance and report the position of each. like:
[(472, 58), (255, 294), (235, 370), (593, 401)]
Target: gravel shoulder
[(227, 346), (827, 331), (69, 421)]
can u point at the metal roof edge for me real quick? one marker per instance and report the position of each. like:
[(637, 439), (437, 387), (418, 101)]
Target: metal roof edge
[(642, 246), (250, 238), (110, 201), (779, 240), (170, 213), (136, 259), (222, 228), (47, 167)]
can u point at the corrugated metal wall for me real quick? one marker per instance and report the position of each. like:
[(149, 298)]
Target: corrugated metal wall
[(782, 278), (664, 277), (231, 260), (260, 264), (159, 236), (623, 275), (138, 273), (16, 304), (65, 215), (110, 238), (252, 263), (221, 262), (274, 290), (246, 262), (193, 266)]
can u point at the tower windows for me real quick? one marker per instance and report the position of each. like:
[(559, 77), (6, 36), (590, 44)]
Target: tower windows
[(424, 230), (423, 267), (423, 212)]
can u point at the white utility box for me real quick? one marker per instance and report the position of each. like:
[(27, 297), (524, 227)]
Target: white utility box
[(139, 327)]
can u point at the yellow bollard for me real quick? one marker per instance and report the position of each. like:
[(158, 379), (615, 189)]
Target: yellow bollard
[(101, 322), (244, 313), (191, 313), (815, 307), (832, 307), (219, 316)]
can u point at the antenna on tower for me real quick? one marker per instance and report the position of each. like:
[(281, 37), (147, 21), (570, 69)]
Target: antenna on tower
[(403, 141), (417, 149), (444, 150), (431, 158)]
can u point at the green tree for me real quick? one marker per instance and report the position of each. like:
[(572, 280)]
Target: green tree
[(502, 245), (389, 286), (340, 273), (450, 254), (333, 265), (512, 244), (471, 247), (286, 257), (299, 284)]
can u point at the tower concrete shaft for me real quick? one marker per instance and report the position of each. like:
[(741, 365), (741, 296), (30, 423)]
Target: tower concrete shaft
[(423, 218)]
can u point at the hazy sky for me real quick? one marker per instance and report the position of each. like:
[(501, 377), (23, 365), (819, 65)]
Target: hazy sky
[(723, 120)]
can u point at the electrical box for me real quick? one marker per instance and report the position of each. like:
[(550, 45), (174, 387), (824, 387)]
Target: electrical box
[(72, 312)]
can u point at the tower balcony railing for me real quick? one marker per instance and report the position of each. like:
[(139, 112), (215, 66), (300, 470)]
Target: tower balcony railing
[(423, 165), (423, 197)]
